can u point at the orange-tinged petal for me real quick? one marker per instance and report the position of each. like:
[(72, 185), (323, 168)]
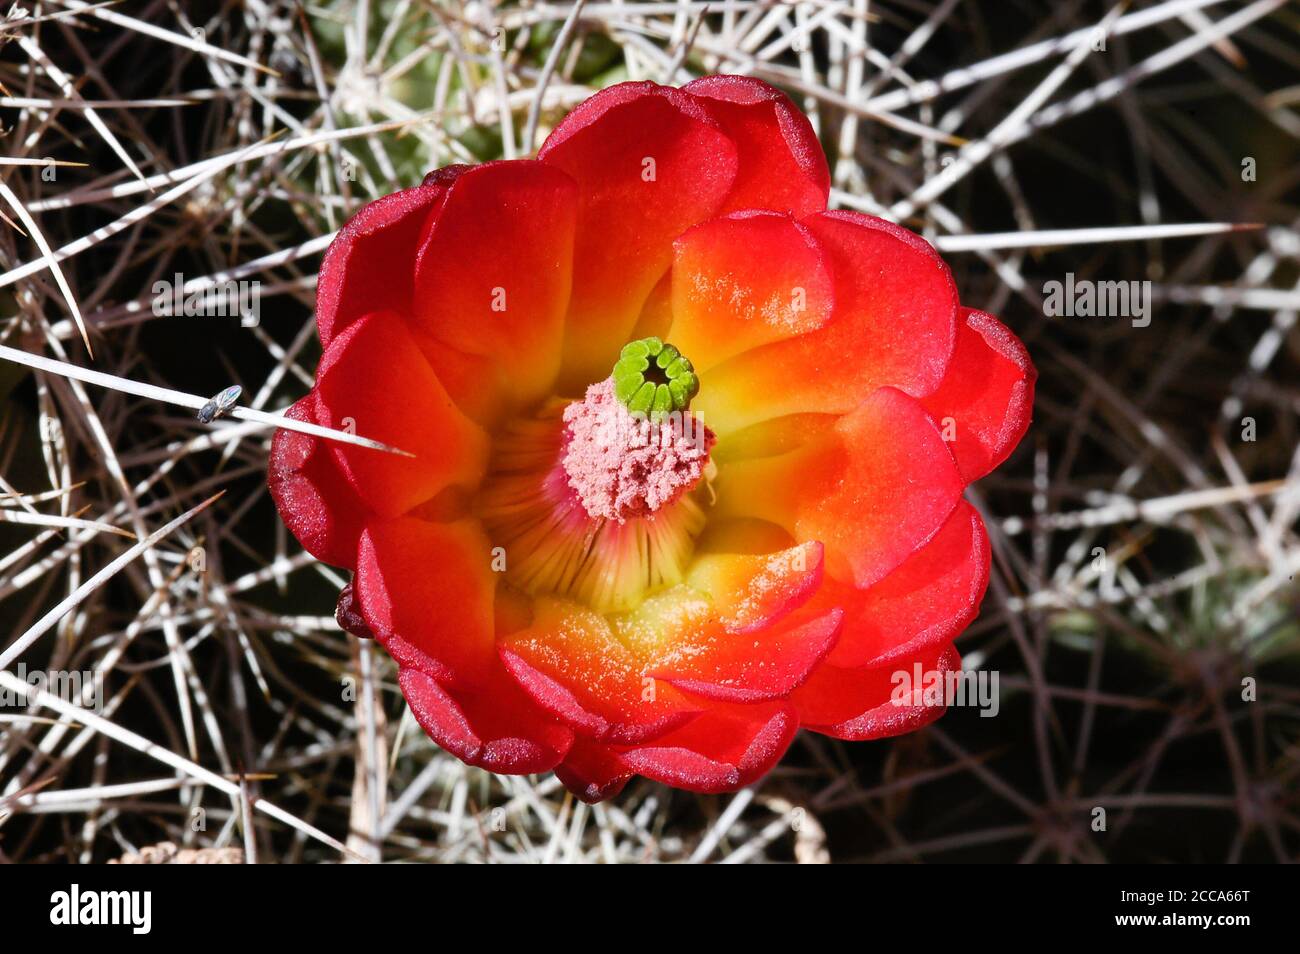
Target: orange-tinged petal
[(657, 313), (930, 598), (872, 489), (573, 665), (649, 164), (492, 276), (427, 591), (987, 396), (782, 165), (657, 624), (478, 385), (746, 280), (750, 667), (726, 648), (875, 703), (892, 324), (743, 535), (778, 435), (752, 591), (374, 379)]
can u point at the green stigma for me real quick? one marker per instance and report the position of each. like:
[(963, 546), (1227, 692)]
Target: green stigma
[(654, 378)]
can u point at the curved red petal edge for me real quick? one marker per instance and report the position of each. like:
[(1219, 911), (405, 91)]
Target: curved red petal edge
[(941, 355), (778, 661), (496, 728), (407, 566), (869, 509), (347, 613), (370, 265), (928, 599), (721, 750), (987, 396), (554, 696), (871, 703), (313, 498), (592, 771), (782, 166), (557, 699)]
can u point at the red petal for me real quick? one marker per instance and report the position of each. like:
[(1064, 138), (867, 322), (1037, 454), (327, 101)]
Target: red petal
[(375, 377), (782, 165), (929, 599), (987, 396), (496, 728), (872, 488), (892, 324), (314, 500), (492, 276), (370, 265), (752, 591), (572, 665), (859, 704), (721, 750), (427, 591), (479, 386), (751, 667), (746, 280), (627, 217), (592, 771), (554, 696)]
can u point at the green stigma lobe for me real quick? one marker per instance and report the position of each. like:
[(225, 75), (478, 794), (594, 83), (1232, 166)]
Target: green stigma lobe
[(654, 378)]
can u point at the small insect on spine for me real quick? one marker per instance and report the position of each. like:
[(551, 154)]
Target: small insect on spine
[(220, 404)]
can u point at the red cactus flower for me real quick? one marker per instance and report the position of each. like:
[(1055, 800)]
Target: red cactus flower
[(569, 584)]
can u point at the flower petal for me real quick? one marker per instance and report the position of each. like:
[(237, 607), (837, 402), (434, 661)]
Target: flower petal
[(929, 599), (872, 488), (861, 704), (753, 667), (721, 750), (492, 275), (477, 385), (572, 665), (752, 591), (892, 324), (496, 728), (592, 771), (649, 164), (427, 590), (374, 377), (987, 395), (314, 500), (782, 165), (746, 280), (370, 265)]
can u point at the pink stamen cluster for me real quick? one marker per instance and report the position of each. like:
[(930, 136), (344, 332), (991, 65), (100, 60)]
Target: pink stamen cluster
[(624, 465)]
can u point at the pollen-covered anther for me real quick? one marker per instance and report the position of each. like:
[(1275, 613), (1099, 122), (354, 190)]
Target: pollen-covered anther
[(625, 464)]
